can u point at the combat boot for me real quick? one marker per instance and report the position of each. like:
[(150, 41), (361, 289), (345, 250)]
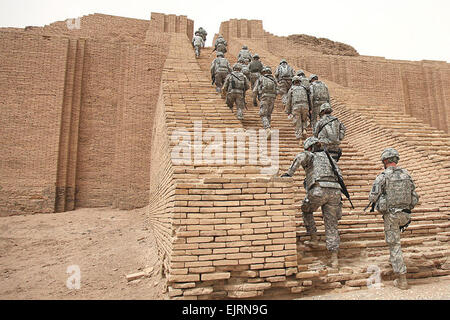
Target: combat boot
[(334, 259), (314, 242), (268, 133), (401, 282)]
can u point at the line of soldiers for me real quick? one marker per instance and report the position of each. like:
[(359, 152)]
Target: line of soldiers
[(393, 192), (199, 40)]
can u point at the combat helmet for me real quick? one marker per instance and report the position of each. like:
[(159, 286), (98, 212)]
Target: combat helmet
[(296, 78), (283, 60), (325, 107), (242, 60), (391, 154), (313, 77), (237, 67), (311, 141), (300, 73), (256, 56), (220, 54), (267, 70), (245, 47)]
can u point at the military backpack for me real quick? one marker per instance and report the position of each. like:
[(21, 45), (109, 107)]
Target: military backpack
[(398, 190), (268, 86), (320, 91), (237, 81), (299, 95)]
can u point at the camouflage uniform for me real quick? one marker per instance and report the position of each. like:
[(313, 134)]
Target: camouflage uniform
[(197, 43), (234, 88), (221, 44), (203, 34), (304, 80), (245, 54), (330, 131), (220, 68), (244, 67), (319, 95), (284, 74), (297, 106), (265, 90), (393, 194), (255, 67), (322, 189)]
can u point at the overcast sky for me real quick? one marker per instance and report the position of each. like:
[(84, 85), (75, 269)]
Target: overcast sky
[(395, 29)]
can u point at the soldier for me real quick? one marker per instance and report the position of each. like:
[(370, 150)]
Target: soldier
[(255, 67), (234, 88), (304, 79), (297, 107), (203, 34), (284, 74), (244, 66), (220, 68), (330, 131), (322, 190), (245, 53), (265, 90), (393, 195), (197, 43), (221, 44), (319, 95)]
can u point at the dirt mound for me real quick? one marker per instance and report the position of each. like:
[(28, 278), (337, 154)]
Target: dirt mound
[(323, 45)]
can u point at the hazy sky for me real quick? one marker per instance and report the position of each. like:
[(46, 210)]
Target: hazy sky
[(395, 29)]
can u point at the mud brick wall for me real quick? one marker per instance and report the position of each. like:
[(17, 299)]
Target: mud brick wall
[(98, 26), (140, 69), (162, 187), (171, 23), (32, 75), (418, 88), (97, 129), (68, 143), (234, 238)]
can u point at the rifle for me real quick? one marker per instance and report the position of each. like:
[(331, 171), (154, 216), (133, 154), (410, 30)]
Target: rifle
[(372, 204), (339, 178)]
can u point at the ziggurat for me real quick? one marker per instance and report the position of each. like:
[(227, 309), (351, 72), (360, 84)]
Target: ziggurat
[(87, 117)]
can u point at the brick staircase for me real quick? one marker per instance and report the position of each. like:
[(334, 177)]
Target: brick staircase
[(246, 271), (362, 235)]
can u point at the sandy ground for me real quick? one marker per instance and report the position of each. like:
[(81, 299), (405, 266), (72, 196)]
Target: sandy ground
[(106, 245), (437, 288)]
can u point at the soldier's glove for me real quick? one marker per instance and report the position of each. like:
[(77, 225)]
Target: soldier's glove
[(290, 116), (286, 175)]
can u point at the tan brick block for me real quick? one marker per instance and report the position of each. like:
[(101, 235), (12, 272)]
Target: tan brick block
[(200, 239), (272, 273), (184, 278), (198, 264), (307, 275), (198, 291), (216, 276), (252, 261), (255, 237), (183, 285), (241, 255)]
